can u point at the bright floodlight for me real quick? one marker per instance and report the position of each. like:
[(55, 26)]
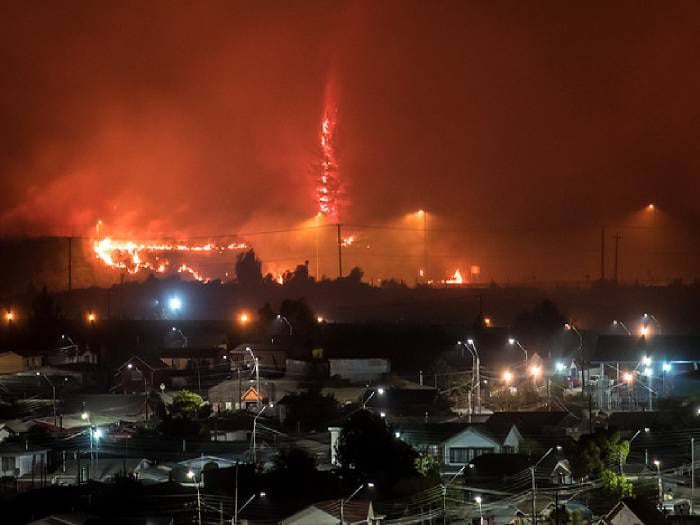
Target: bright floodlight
[(97, 433), (560, 367), (397, 434), (190, 474), (666, 367), (470, 342), (175, 304), (657, 462), (382, 414), (319, 319), (644, 331), (511, 341), (130, 366), (507, 376), (370, 485), (262, 494), (478, 499), (627, 377), (84, 416), (380, 391), (9, 316), (646, 360), (647, 371), (567, 326), (535, 370)]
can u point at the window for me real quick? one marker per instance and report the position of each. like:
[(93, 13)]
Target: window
[(463, 455), (9, 464)]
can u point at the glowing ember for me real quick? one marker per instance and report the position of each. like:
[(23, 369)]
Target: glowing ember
[(133, 257), (347, 241)]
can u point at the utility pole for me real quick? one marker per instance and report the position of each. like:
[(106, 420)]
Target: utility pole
[(692, 476), (340, 252), (425, 245), (602, 254), (618, 237), (70, 263)]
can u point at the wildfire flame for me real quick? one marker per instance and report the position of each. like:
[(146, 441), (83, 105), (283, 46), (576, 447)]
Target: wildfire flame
[(133, 257), (456, 278), (328, 186)]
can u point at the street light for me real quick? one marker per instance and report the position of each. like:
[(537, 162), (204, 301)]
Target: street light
[(379, 391), (191, 475), (256, 364), (560, 367), (255, 427), (513, 341), (481, 513), (53, 388), (286, 321), (657, 464), (184, 337), (243, 318), (91, 317), (369, 485), (9, 316), (621, 324), (507, 376), (476, 365), (534, 487), (250, 499), (175, 304)]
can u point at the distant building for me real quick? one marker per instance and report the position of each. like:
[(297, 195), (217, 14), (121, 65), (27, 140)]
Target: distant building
[(271, 358), (360, 370), (21, 360), (189, 358)]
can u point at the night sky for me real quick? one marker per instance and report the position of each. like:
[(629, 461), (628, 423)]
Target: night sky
[(199, 118)]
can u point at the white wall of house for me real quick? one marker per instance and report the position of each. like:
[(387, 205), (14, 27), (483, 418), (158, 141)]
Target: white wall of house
[(9, 463), (311, 516), (468, 444)]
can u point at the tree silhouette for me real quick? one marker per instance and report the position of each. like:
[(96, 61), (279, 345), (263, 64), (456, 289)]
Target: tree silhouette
[(368, 450), (248, 268)]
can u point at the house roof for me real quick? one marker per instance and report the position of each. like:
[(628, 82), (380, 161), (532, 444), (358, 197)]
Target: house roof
[(26, 352), (432, 433), (630, 349), (19, 448), (153, 363), (355, 511), (529, 422), (644, 509)]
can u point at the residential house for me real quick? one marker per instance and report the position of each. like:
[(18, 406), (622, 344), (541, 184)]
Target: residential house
[(189, 358), (541, 428), (457, 444), (634, 511), (140, 373), (21, 360), (328, 513), (18, 459), (272, 359)]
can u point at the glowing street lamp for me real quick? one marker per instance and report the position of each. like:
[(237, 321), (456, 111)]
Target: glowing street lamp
[(644, 331), (507, 376), (560, 367), (481, 513), (175, 304), (628, 377), (646, 360), (243, 318), (91, 317), (9, 316), (487, 321), (513, 341)]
